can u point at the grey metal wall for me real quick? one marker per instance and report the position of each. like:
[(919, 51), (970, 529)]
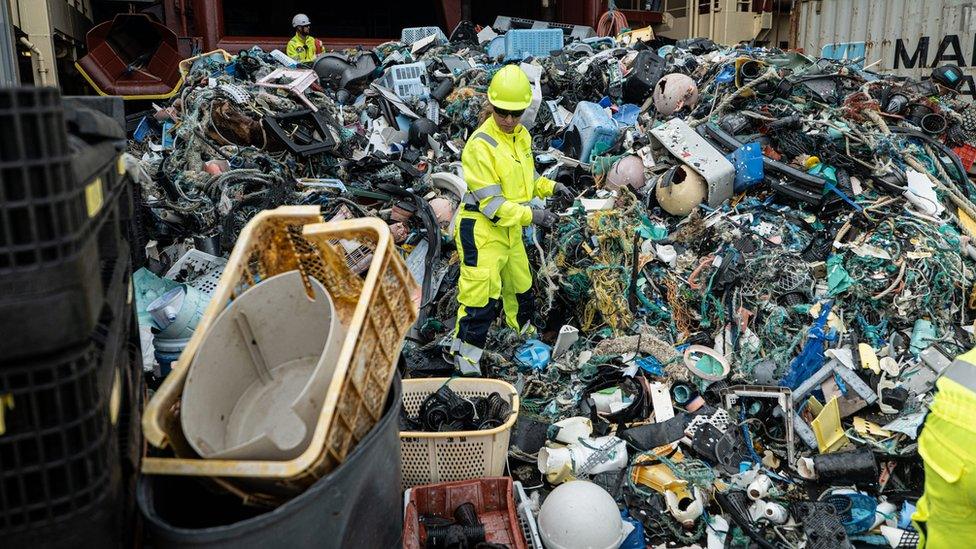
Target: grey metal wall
[(906, 37)]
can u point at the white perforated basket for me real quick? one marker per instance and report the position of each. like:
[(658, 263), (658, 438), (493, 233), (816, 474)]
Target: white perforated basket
[(429, 458)]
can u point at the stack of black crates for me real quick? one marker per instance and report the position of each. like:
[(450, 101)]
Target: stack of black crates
[(70, 366)]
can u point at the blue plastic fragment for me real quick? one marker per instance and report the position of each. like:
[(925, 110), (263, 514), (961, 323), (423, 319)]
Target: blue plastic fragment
[(726, 75), (534, 355), (861, 509), (650, 365), (142, 130), (168, 137), (748, 162), (636, 538), (905, 515), (627, 114), (811, 358), (923, 335)]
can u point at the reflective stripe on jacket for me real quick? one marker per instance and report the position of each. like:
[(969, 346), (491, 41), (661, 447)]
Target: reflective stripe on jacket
[(500, 172)]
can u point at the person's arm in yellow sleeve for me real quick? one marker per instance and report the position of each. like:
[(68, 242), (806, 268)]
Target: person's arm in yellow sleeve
[(309, 50), (483, 183), (544, 187)]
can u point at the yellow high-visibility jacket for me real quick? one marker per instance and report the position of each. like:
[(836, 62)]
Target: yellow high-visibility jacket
[(301, 49), (500, 172)]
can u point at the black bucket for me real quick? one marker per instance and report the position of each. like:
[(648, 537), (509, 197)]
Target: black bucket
[(357, 505)]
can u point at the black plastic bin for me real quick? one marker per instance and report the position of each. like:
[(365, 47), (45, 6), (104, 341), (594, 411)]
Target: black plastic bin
[(359, 504), (60, 217), (60, 464)]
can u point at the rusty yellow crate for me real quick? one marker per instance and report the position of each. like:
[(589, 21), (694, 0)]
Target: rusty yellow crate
[(377, 306)]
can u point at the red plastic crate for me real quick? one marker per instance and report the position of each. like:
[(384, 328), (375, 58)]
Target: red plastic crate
[(492, 498), (967, 154)]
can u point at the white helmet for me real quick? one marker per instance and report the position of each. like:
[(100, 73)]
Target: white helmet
[(300, 20), (581, 514)]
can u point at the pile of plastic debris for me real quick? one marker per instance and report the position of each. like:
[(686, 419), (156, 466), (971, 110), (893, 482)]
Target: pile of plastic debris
[(742, 315)]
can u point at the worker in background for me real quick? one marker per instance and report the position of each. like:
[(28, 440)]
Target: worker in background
[(946, 513), (303, 47), (501, 178)]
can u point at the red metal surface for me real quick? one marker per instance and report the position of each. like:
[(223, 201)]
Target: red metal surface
[(125, 59), (492, 498), (641, 18), (452, 14)]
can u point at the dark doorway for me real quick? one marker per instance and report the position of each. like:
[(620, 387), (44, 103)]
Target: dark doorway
[(378, 19), (483, 12)]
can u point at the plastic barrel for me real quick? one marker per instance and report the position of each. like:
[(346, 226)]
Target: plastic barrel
[(357, 505)]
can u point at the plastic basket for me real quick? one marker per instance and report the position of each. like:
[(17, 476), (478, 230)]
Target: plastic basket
[(412, 34), (455, 455), (42, 207), (376, 308), (198, 269), (59, 453), (211, 57), (408, 81), (967, 155), (493, 501), (522, 43), (51, 308)]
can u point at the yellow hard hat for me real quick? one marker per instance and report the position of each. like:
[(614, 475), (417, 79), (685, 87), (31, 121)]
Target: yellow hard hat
[(510, 89)]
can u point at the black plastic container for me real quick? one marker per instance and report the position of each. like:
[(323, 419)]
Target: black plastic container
[(66, 458), (59, 454), (647, 69), (359, 504), (43, 212), (60, 217)]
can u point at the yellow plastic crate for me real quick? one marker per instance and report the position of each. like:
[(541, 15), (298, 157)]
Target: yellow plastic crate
[(429, 458), (377, 308)]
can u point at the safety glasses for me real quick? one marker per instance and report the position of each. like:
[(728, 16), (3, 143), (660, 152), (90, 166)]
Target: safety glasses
[(502, 113)]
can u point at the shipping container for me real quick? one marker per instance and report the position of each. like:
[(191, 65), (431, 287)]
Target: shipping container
[(904, 37)]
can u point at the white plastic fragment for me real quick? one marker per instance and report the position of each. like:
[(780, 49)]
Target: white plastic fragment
[(921, 193), (568, 335)]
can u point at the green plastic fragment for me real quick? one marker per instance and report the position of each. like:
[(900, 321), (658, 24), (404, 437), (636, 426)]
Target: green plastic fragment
[(838, 279)]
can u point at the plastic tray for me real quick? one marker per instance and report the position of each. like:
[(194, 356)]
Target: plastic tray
[(521, 43), (412, 34), (377, 309), (493, 500), (408, 81), (455, 455)]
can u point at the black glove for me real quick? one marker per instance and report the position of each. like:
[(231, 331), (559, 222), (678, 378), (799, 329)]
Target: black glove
[(543, 218), (563, 190)]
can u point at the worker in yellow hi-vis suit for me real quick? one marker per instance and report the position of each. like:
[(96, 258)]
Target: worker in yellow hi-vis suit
[(501, 178), (303, 47), (946, 513)]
